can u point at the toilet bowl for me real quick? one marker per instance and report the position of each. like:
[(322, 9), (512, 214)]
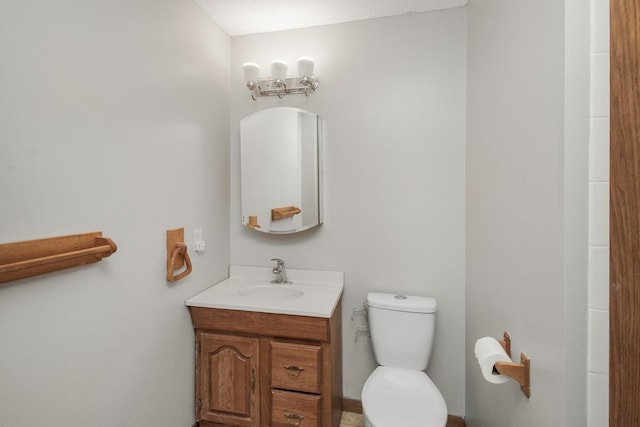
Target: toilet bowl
[(399, 393), (395, 397)]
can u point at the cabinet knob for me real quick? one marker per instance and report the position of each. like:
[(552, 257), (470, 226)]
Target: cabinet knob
[(294, 419)]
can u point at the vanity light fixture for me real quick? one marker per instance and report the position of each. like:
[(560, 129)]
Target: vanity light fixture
[(279, 84)]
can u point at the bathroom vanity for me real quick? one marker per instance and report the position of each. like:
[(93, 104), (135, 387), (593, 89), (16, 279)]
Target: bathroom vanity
[(269, 354)]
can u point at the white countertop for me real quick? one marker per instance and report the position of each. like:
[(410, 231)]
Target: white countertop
[(321, 291)]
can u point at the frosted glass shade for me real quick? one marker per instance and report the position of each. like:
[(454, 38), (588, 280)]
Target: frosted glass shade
[(278, 69), (251, 72), (305, 66)]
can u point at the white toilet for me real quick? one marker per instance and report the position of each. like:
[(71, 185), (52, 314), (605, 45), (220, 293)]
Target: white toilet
[(398, 393)]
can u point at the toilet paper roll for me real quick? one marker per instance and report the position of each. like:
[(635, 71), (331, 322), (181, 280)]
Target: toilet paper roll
[(488, 352)]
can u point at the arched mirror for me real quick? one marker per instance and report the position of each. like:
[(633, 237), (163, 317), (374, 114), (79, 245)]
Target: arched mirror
[(280, 167)]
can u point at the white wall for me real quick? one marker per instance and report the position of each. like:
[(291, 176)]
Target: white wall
[(576, 203), (526, 211), (392, 96), (113, 117)]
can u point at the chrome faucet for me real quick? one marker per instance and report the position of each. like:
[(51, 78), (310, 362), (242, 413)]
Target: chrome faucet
[(279, 271)]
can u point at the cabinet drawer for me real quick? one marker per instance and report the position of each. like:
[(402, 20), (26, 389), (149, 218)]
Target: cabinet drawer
[(296, 366), (295, 409)]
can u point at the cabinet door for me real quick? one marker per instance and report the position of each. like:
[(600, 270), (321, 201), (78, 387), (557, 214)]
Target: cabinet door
[(227, 387)]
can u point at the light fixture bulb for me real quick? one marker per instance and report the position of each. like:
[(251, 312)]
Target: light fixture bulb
[(305, 66), (278, 69), (251, 72)]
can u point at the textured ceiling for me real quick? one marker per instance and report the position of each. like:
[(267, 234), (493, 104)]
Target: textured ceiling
[(238, 17)]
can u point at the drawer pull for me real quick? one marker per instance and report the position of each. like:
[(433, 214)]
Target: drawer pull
[(293, 371), (293, 419)]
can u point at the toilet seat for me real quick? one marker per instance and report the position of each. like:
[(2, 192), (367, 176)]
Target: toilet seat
[(395, 397)]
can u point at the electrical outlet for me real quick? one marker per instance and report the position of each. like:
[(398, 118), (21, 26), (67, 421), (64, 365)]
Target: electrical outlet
[(198, 242)]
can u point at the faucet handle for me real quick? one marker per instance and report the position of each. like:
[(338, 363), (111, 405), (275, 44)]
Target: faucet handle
[(279, 261)]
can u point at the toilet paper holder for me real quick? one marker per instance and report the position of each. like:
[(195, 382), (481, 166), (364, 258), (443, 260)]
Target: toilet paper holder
[(520, 372)]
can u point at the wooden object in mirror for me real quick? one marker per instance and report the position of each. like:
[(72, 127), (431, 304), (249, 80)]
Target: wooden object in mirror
[(285, 212), (253, 222)]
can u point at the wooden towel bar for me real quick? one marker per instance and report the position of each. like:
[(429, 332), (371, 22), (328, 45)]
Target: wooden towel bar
[(284, 212), (32, 257)]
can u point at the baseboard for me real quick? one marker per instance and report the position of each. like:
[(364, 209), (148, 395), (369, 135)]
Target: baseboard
[(455, 421), (354, 405)]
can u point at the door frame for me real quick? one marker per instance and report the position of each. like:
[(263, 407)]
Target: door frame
[(624, 288)]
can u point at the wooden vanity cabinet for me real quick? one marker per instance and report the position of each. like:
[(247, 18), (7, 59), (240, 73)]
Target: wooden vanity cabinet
[(267, 370)]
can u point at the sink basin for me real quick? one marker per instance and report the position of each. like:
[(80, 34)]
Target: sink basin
[(312, 293), (271, 292)]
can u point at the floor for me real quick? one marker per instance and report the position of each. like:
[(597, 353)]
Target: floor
[(351, 419)]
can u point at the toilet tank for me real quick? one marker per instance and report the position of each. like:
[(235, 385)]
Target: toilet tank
[(402, 329)]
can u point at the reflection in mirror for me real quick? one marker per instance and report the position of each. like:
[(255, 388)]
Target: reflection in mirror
[(280, 166)]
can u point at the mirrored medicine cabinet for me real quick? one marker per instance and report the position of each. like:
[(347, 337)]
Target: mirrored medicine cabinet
[(281, 170)]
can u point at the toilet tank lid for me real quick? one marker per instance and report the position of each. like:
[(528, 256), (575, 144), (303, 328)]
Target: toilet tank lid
[(400, 302)]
